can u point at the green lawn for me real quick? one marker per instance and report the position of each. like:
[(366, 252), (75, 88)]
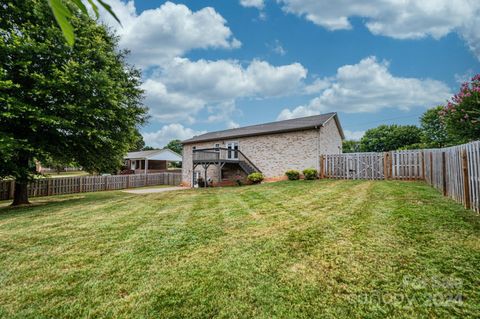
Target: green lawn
[(329, 249)]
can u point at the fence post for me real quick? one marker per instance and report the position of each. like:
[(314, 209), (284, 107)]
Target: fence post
[(106, 182), (390, 165), (80, 185), (128, 181), (466, 182), (431, 168), (423, 165), (385, 165), (12, 189), (146, 179), (49, 187), (444, 173), (322, 166)]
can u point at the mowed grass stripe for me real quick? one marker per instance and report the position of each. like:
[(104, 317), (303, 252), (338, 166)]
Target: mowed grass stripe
[(290, 249)]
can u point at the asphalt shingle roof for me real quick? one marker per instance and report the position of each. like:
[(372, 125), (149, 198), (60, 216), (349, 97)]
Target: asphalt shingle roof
[(297, 124)]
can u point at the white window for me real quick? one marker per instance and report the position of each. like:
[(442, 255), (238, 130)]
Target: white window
[(232, 150)]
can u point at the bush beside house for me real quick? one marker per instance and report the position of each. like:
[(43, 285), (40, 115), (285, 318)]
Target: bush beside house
[(255, 178), (310, 173), (293, 175)]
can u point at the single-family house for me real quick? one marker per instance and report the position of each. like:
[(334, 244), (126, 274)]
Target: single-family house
[(153, 161), (224, 157)]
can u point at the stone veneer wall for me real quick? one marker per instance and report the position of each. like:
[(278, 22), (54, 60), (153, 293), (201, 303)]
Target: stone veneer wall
[(274, 154), (330, 138)]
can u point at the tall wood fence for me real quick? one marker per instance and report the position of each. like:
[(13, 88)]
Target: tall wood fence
[(82, 184), (454, 170)]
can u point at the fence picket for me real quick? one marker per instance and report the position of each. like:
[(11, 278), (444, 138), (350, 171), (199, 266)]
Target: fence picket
[(440, 168), (80, 184)]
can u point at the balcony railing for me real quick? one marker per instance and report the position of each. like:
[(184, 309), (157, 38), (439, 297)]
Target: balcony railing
[(221, 154)]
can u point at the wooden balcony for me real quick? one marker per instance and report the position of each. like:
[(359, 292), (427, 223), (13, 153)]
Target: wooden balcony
[(221, 156)]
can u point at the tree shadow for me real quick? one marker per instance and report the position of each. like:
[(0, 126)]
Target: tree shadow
[(43, 205)]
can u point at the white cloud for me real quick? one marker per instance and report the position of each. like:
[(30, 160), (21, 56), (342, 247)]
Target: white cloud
[(317, 86), (401, 19), (167, 133), (277, 47), (369, 87), (353, 135), (171, 30), (181, 88), (259, 4)]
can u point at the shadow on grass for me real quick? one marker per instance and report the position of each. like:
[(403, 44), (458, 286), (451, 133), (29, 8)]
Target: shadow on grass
[(43, 205)]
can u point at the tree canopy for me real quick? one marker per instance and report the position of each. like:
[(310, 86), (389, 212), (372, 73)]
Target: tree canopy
[(62, 11), (461, 115), (139, 144), (350, 146), (77, 104), (390, 137), (434, 131)]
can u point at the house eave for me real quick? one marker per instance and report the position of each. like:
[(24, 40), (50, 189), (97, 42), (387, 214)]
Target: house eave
[(186, 142)]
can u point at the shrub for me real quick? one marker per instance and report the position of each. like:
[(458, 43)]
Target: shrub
[(310, 173), (255, 178), (462, 113), (292, 174)]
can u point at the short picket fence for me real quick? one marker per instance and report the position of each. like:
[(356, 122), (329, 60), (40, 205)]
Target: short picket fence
[(82, 184)]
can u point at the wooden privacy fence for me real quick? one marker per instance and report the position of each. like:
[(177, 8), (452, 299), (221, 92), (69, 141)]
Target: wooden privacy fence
[(405, 165), (454, 170), (81, 184)]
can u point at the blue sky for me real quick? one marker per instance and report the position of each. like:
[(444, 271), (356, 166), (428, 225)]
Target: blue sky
[(211, 65)]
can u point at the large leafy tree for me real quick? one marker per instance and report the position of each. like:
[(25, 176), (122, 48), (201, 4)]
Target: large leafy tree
[(139, 144), (390, 137), (175, 145), (63, 11), (78, 103), (434, 131), (462, 114), (350, 146)]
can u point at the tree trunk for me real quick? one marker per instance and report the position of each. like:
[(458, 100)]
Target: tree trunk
[(20, 196)]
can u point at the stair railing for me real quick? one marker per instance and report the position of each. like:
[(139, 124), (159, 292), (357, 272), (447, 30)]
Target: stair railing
[(221, 153)]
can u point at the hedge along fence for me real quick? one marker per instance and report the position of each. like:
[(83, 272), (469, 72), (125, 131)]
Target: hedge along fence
[(454, 170), (82, 184)]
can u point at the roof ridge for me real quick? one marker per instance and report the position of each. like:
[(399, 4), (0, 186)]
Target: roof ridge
[(206, 136), (267, 123)]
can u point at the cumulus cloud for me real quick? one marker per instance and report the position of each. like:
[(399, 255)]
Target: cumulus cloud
[(369, 87), (157, 35), (182, 88), (410, 19), (167, 133), (259, 4)]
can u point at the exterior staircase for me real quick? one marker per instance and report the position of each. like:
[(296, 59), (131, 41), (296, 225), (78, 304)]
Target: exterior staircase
[(247, 168)]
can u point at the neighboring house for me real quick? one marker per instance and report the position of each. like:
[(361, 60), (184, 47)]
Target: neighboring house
[(150, 161), (224, 157)]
